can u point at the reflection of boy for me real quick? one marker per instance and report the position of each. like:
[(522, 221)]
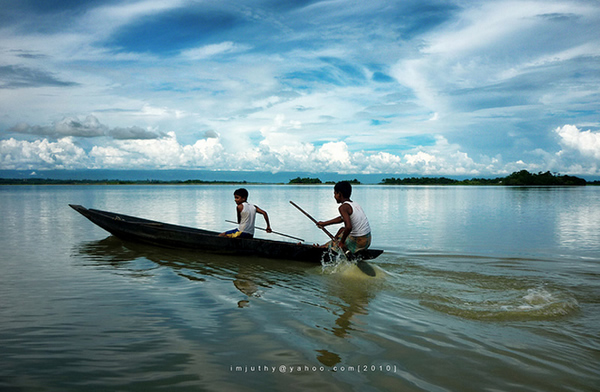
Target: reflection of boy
[(356, 233), (246, 214)]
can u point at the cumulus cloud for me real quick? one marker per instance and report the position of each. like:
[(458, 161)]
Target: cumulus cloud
[(211, 153), (165, 153), (579, 154), (90, 127), (573, 140), (42, 154), (281, 150)]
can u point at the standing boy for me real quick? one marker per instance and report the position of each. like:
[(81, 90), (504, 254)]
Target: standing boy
[(246, 214), (356, 233)]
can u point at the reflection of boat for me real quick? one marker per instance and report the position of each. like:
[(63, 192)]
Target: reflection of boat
[(173, 236)]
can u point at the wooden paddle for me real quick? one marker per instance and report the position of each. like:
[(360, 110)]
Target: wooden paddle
[(274, 232), (361, 264), (313, 219)]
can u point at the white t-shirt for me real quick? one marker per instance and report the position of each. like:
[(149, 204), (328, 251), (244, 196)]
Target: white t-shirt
[(247, 218), (358, 218)]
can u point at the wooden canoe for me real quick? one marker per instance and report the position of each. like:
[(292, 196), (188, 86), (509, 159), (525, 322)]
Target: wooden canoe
[(173, 236)]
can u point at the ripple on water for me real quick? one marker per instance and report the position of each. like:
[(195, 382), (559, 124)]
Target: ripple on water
[(491, 292), (506, 303)]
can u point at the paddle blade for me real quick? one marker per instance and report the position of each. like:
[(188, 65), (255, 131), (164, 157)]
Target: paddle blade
[(366, 268)]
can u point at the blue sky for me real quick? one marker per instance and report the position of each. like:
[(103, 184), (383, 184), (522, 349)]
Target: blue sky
[(470, 88)]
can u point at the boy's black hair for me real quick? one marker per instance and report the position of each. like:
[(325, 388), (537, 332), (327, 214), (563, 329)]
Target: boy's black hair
[(241, 192), (344, 188)]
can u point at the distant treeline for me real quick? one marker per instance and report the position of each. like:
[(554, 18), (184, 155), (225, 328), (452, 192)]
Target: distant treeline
[(522, 178), (49, 181)]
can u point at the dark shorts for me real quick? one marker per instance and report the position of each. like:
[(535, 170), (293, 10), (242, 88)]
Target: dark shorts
[(235, 233)]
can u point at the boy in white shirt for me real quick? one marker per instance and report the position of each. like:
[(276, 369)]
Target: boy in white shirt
[(356, 233), (246, 214)]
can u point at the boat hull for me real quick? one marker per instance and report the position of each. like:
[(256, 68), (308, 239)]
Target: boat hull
[(146, 231)]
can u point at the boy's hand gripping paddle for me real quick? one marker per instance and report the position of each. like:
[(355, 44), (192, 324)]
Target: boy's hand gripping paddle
[(361, 264)]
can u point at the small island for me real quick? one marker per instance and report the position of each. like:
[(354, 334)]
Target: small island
[(309, 180)]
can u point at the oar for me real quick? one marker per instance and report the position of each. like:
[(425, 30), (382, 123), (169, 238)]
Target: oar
[(313, 219), (361, 264), (274, 232)]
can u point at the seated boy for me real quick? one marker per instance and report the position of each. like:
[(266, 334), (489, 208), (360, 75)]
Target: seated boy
[(246, 214), (356, 233)]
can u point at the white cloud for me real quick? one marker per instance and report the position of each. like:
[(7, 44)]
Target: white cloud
[(103, 20), (208, 51), (441, 158), (335, 155), (381, 162), (156, 153), (42, 154), (573, 140), (204, 153), (419, 157), (210, 153), (480, 27), (445, 158), (496, 42)]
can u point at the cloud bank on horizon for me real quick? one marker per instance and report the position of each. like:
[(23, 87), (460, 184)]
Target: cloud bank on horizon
[(428, 87)]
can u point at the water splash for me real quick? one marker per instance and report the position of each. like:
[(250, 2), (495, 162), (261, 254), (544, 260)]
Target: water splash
[(334, 262)]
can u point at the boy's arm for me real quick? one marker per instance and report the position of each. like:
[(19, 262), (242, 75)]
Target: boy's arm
[(264, 213), (333, 221)]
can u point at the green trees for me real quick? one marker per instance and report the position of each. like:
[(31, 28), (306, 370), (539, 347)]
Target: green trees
[(419, 181), (308, 180), (520, 178), (305, 180), (523, 177)]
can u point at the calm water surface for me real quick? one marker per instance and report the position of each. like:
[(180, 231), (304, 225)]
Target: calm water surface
[(479, 289)]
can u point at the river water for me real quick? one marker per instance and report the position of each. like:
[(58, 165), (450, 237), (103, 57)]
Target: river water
[(479, 289)]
